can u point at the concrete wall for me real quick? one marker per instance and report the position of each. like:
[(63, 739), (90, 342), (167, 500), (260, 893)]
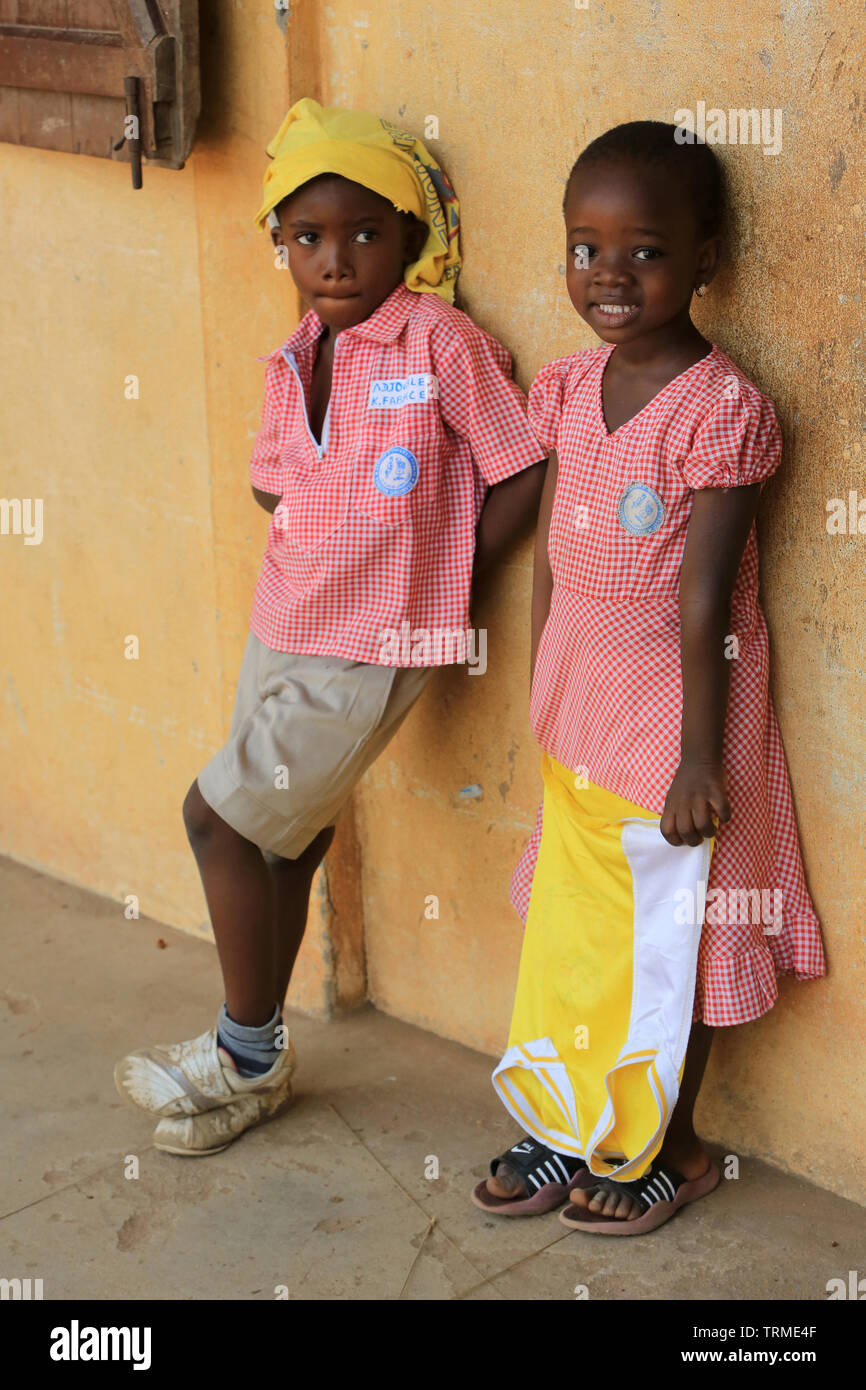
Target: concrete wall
[(149, 528)]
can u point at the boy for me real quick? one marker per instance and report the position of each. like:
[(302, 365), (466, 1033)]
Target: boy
[(387, 417)]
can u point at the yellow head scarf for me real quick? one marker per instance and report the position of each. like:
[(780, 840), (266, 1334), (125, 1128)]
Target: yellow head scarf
[(315, 140)]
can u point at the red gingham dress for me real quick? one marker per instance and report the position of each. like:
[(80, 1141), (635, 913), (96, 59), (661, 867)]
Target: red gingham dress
[(350, 559), (607, 692)]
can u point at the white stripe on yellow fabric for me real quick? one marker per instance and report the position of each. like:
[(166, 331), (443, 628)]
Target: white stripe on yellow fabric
[(518, 1106), (603, 955)]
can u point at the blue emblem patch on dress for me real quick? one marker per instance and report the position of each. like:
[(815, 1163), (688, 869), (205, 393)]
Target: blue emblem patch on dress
[(640, 510), (396, 472)]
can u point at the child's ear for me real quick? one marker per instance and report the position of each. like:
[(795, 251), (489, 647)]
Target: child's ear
[(414, 239), (709, 257), (275, 229)]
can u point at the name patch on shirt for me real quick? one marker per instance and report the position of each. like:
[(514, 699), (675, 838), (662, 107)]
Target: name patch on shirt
[(396, 472), (395, 392), (640, 510)]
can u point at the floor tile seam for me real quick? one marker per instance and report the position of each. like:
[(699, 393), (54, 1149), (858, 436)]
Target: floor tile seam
[(67, 1187), (500, 1273), (431, 1219)]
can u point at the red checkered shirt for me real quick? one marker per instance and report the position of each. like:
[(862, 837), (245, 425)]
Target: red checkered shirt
[(371, 546), (607, 691)]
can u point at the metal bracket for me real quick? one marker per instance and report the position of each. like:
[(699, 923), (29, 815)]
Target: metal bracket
[(133, 112)]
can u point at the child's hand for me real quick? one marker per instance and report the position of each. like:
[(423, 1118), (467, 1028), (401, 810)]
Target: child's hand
[(696, 803)]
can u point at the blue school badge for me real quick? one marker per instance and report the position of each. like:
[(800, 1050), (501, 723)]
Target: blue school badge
[(640, 510), (396, 473)]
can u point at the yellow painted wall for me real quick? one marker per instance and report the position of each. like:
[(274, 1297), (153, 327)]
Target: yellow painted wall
[(150, 529)]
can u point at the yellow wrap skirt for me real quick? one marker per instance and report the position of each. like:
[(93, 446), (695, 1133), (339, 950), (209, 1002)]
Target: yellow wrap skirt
[(607, 977)]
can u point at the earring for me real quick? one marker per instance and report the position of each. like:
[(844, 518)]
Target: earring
[(701, 288)]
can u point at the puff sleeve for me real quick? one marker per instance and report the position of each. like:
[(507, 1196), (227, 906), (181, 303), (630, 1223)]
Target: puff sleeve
[(550, 391), (546, 397), (737, 443)]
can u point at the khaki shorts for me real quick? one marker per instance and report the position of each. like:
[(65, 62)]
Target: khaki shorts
[(304, 731)]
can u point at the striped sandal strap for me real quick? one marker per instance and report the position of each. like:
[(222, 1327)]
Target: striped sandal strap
[(537, 1164), (658, 1184)]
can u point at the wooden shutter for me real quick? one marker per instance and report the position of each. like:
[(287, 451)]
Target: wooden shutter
[(71, 71)]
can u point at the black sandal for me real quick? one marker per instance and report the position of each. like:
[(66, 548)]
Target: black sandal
[(659, 1193), (548, 1175)]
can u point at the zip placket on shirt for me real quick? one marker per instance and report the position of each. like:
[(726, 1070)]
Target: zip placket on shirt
[(292, 364)]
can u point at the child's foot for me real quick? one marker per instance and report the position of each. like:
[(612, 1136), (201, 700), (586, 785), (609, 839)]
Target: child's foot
[(529, 1179), (193, 1077), (505, 1183), (606, 1198)]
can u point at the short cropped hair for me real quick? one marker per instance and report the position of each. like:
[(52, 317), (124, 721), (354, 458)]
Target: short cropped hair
[(653, 143)]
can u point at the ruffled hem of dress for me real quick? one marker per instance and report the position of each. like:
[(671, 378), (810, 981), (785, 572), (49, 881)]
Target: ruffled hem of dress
[(741, 988), (798, 950), (734, 989)]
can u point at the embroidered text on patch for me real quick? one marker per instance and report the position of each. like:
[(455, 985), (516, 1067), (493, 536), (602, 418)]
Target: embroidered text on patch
[(400, 391)]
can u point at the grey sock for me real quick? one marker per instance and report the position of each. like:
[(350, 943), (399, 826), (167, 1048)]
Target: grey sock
[(254, 1049)]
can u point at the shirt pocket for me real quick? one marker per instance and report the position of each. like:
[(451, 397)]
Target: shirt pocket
[(313, 506), (396, 479)]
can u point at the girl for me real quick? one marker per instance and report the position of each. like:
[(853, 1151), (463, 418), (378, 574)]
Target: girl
[(663, 885)]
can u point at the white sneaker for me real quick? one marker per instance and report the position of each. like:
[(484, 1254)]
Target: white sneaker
[(195, 1077), (213, 1131)]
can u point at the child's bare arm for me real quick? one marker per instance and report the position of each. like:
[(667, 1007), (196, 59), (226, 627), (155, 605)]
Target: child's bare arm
[(719, 527), (509, 510), (266, 499), (542, 579)]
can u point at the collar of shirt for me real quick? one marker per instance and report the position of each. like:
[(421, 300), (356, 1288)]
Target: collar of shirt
[(384, 325)]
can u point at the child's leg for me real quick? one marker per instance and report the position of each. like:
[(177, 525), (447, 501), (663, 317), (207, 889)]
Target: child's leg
[(682, 1148), (258, 910), (240, 899), (323, 720), (292, 880)]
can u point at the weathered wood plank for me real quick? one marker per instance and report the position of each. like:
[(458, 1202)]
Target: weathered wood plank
[(52, 12), (10, 119), (96, 123), (56, 66), (46, 120)]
